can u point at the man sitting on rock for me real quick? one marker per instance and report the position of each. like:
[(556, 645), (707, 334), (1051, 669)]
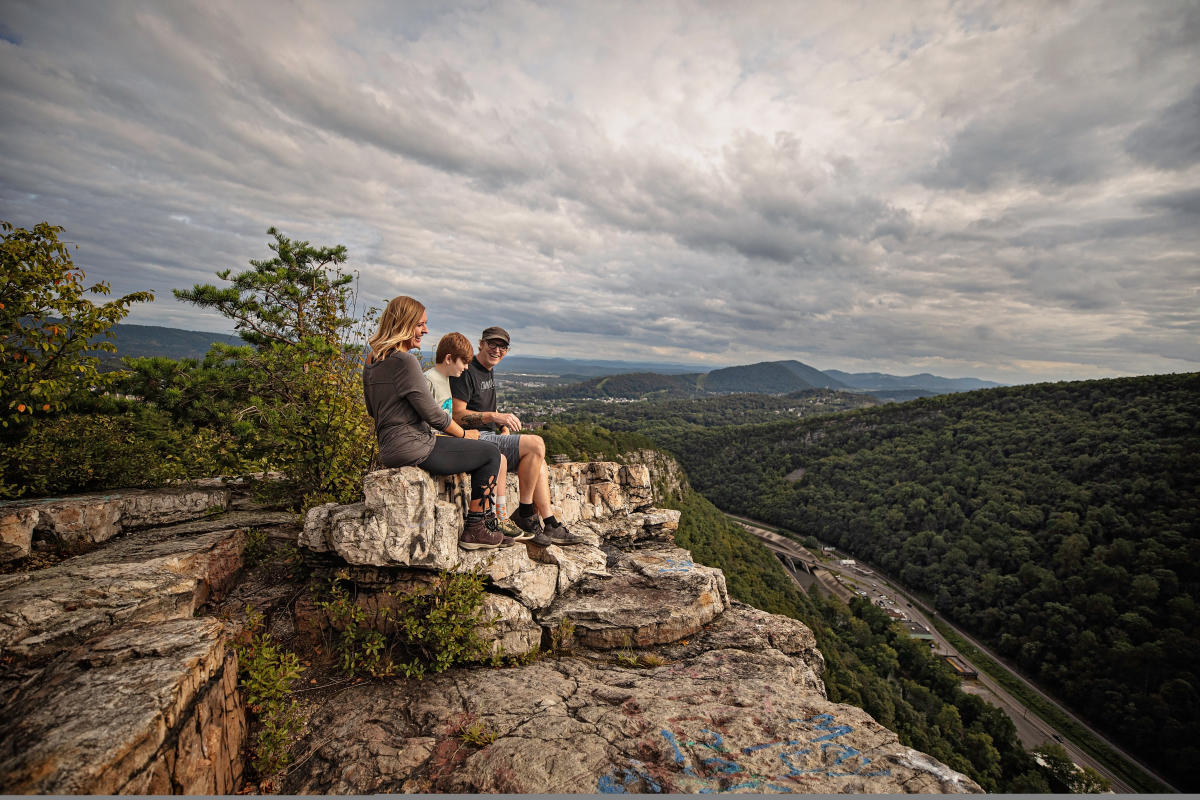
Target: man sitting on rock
[(474, 406)]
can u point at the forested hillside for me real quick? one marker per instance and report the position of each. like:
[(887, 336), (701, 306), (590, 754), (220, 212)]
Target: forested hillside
[(1059, 522), (870, 662)]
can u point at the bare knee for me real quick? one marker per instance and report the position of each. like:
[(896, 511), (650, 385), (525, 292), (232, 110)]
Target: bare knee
[(533, 446)]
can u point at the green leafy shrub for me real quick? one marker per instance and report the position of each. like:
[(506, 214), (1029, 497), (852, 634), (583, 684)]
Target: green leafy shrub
[(425, 628), (79, 452), (266, 676), (562, 636), (257, 548), (49, 333)]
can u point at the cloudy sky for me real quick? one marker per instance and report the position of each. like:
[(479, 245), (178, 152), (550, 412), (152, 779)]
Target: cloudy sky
[(1000, 190)]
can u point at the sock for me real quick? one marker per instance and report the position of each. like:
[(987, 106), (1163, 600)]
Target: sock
[(474, 515), (526, 509), (550, 522), (502, 507)]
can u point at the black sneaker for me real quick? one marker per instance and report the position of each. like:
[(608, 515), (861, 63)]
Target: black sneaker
[(531, 525), (558, 534)]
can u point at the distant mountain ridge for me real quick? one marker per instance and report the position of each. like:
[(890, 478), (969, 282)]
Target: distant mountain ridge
[(145, 341), (766, 377), (608, 378), (925, 382)]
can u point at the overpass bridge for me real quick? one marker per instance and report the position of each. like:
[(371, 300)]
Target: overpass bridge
[(792, 554), (796, 557)]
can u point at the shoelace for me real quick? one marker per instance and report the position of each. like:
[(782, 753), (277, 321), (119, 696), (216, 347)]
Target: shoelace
[(490, 522)]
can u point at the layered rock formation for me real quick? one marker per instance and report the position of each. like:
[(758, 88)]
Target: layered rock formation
[(111, 684), (77, 523), (670, 687), (738, 707), (409, 525), (117, 681)]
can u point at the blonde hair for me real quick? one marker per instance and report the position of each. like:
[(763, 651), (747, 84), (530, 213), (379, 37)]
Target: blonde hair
[(397, 327)]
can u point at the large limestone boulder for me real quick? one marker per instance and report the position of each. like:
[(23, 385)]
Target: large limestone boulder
[(402, 522), (650, 597), (718, 716), (410, 518), (16, 532), (512, 629), (145, 709)]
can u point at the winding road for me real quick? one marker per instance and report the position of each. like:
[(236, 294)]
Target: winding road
[(1032, 730)]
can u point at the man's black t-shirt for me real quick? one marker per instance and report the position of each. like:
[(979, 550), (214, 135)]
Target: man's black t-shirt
[(477, 386)]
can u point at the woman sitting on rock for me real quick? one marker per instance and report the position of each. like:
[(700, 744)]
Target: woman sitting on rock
[(399, 401)]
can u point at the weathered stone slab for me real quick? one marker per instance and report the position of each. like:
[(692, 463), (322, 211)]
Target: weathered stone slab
[(573, 562), (652, 597), (16, 532), (655, 525), (148, 709), (715, 719), (140, 578), (511, 569), (82, 521), (169, 506)]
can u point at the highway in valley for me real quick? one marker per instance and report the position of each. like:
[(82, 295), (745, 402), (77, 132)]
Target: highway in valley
[(1032, 730)]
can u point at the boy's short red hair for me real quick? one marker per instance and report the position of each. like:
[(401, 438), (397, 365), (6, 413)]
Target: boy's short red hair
[(456, 345)]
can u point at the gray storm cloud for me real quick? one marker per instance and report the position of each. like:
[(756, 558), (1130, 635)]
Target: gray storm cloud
[(1008, 192)]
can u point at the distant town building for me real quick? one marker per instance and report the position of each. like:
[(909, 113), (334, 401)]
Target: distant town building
[(918, 631), (960, 667), (848, 562)]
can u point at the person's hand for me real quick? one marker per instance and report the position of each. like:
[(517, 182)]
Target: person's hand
[(470, 433), (510, 421)]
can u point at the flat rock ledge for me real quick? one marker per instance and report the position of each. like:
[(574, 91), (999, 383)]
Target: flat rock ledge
[(83, 521), (738, 707), (146, 577)]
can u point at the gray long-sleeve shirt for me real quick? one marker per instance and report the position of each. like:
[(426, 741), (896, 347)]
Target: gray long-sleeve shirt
[(399, 401)]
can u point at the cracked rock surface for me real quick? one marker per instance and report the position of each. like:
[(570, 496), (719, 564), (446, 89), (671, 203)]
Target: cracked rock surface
[(738, 707)]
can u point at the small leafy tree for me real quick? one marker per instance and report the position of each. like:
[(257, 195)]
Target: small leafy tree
[(47, 325), (298, 386), (48, 331), (1065, 776)]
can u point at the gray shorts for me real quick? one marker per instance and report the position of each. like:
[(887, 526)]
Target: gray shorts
[(509, 444)]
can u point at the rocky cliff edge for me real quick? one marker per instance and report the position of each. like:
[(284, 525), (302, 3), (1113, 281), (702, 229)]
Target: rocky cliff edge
[(120, 678)]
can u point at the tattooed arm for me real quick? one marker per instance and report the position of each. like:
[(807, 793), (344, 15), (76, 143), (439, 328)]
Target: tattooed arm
[(469, 419)]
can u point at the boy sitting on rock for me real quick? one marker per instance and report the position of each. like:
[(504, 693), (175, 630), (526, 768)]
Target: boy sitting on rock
[(453, 354)]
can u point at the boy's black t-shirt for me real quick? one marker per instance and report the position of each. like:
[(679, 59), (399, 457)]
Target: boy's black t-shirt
[(477, 387)]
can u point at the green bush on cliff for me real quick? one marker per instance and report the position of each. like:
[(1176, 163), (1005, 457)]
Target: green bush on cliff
[(429, 627), (267, 673), (48, 330)]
